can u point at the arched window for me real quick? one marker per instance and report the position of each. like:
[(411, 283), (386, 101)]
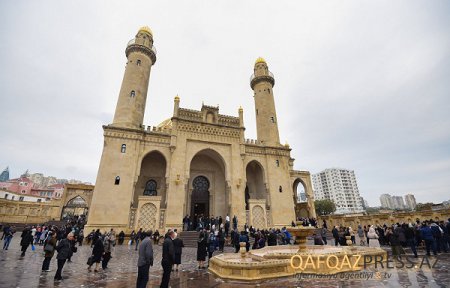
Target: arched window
[(117, 181), (277, 162), (124, 148), (150, 188), (138, 63), (132, 94), (280, 189)]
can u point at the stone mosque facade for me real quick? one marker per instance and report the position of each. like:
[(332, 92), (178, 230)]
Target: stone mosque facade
[(195, 162)]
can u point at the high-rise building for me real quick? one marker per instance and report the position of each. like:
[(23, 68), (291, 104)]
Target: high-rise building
[(410, 201), (398, 202), (5, 175), (338, 185), (386, 201)]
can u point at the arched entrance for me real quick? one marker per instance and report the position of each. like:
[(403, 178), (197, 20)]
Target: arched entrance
[(207, 193), (75, 206), (300, 199), (255, 188), (152, 177), (200, 196)]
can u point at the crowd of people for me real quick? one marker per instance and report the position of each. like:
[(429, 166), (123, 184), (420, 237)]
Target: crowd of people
[(214, 234), (433, 235)]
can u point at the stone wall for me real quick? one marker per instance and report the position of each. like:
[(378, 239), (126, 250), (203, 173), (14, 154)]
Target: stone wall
[(29, 212), (385, 218)]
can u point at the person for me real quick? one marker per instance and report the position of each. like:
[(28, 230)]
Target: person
[(201, 250), (323, 233), (235, 222), (64, 250), (145, 260), (373, 237), (156, 237), (178, 250), (107, 244), (8, 234), (335, 233), (167, 258), (361, 235), (49, 249), (211, 244), (352, 235), (121, 237), (317, 239), (427, 236), (132, 236), (410, 237), (27, 239), (137, 238), (112, 237), (97, 253), (393, 237)]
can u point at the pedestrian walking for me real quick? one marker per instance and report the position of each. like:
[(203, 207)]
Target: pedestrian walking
[(64, 250), (145, 260), (107, 246), (178, 250), (168, 256), (27, 239), (49, 250), (8, 234), (97, 253)]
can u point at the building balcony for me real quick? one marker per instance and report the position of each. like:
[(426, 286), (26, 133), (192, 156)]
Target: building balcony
[(255, 79), (133, 46)]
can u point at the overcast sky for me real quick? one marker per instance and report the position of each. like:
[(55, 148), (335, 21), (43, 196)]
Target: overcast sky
[(361, 85)]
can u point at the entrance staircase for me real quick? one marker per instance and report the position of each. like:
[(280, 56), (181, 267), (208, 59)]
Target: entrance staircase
[(189, 238)]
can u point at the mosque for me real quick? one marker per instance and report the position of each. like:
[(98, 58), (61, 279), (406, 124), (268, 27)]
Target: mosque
[(195, 162)]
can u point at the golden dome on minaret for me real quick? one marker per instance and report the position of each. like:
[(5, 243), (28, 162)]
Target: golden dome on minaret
[(260, 60), (146, 29)]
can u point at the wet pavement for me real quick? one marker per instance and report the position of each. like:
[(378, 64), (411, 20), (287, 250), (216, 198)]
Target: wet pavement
[(26, 272)]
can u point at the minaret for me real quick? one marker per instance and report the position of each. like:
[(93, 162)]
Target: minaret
[(141, 55), (262, 82)]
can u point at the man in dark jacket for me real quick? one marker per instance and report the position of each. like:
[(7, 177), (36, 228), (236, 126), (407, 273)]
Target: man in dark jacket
[(27, 239), (64, 251), (145, 260), (168, 257)]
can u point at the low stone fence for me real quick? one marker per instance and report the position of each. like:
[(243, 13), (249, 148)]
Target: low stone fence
[(383, 218)]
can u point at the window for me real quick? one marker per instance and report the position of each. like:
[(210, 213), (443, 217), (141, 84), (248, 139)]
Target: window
[(138, 63), (132, 94), (272, 119), (280, 189), (39, 200), (256, 111), (150, 188), (21, 198), (277, 162), (117, 181), (23, 191), (124, 148), (6, 196), (12, 198)]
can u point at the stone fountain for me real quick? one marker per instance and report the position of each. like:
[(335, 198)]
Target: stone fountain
[(288, 260)]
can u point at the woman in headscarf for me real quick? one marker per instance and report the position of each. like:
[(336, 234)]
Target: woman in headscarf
[(373, 237)]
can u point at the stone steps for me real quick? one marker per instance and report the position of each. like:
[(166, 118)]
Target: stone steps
[(189, 238)]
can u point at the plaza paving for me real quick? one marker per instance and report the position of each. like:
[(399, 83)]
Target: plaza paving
[(26, 272)]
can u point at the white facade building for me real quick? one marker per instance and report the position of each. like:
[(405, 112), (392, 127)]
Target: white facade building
[(386, 201), (8, 195), (338, 185), (410, 201)]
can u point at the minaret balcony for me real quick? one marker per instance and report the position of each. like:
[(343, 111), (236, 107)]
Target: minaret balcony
[(133, 46), (255, 79)]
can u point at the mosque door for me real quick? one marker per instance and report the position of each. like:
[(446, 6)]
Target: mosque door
[(200, 196)]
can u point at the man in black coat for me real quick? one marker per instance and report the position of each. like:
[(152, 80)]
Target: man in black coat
[(64, 251), (168, 258)]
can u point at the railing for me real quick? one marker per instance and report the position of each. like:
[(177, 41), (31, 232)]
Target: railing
[(252, 141), (133, 42), (254, 76)]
